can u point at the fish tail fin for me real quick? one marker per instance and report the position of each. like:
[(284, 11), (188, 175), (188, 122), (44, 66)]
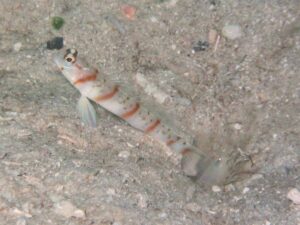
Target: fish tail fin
[(211, 171)]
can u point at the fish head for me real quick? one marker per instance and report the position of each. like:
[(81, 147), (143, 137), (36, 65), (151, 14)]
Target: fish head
[(68, 64)]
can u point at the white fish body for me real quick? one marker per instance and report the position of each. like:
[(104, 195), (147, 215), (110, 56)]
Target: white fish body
[(114, 99)]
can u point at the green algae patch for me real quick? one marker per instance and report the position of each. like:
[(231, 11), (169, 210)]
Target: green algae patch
[(57, 22)]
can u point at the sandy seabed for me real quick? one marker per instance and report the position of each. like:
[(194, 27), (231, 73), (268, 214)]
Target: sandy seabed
[(240, 94)]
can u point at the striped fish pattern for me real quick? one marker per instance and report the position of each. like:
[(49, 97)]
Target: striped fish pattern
[(113, 98)]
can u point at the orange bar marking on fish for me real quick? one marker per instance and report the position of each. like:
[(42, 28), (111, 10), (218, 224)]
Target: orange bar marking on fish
[(172, 141), (108, 95), (185, 151), (131, 112), (152, 126), (86, 78)]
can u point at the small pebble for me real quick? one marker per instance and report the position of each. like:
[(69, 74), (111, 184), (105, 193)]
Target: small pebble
[(268, 222), (18, 212), (212, 7), (129, 11), (163, 215), (142, 201), (129, 145), (237, 126), (201, 46), (78, 213), (255, 177), (294, 196), (117, 223), (67, 209), (193, 207), (17, 46), (153, 19), (216, 188), (229, 187), (124, 154), (171, 3), (232, 31), (111, 191), (245, 190)]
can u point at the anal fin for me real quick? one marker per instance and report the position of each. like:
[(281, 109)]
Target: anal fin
[(86, 111)]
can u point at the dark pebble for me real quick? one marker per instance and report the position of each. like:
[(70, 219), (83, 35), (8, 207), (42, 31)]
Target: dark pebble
[(55, 43), (201, 46)]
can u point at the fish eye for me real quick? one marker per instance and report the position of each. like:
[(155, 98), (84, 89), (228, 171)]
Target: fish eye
[(70, 58), (71, 55)]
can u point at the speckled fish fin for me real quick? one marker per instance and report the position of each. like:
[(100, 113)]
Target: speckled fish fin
[(194, 163), (228, 169), (86, 111), (210, 171), (216, 173)]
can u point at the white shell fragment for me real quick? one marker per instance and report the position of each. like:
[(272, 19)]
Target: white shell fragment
[(193, 207), (78, 213), (17, 46), (124, 154), (67, 209), (142, 201), (245, 190), (294, 196), (111, 191), (17, 212), (237, 126), (232, 31), (216, 188)]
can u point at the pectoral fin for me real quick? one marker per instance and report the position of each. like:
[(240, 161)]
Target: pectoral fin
[(86, 111)]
